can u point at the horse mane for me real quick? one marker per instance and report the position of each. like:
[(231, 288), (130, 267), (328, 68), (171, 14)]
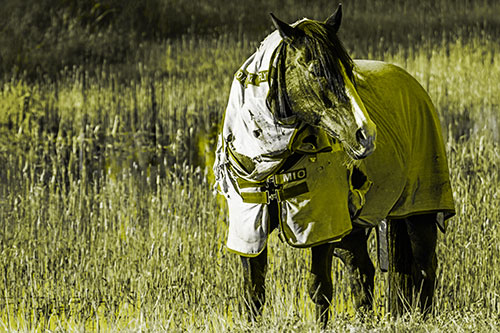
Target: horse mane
[(277, 99), (318, 38)]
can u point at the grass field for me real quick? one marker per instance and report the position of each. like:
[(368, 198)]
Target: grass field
[(108, 217)]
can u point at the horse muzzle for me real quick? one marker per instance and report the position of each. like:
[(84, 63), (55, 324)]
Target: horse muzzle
[(366, 139)]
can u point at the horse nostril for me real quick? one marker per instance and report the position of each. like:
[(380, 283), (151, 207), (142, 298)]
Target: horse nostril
[(361, 136)]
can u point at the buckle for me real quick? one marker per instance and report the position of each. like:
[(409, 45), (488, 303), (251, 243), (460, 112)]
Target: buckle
[(271, 196)]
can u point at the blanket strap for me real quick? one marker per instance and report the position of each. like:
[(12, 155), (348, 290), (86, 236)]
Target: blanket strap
[(273, 187), (280, 195), (383, 245)]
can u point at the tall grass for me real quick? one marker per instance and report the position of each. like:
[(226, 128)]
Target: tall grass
[(109, 221)]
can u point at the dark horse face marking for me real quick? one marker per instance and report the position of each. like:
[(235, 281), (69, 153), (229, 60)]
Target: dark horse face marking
[(319, 83)]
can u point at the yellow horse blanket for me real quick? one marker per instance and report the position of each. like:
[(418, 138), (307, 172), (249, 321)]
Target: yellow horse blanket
[(409, 168)]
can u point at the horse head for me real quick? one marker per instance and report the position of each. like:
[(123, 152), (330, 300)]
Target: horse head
[(318, 83)]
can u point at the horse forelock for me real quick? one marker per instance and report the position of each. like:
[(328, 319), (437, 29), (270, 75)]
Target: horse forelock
[(333, 58), (326, 47)]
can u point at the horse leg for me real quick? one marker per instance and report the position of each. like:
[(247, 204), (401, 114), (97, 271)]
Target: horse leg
[(400, 260), (422, 232), (254, 276), (320, 281), (255, 269), (413, 259), (353, 251)]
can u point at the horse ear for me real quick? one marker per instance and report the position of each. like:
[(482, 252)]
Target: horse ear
[(287, 32), (335, 19)]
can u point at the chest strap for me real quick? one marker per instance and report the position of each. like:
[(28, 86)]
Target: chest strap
[(275, 187), (280, 195)]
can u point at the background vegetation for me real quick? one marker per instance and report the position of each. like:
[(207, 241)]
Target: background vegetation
[(107, 120)]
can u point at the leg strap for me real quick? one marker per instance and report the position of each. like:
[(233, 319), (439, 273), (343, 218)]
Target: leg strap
[(383, 246)]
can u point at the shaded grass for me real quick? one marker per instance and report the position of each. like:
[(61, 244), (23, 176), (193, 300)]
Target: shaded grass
[(39, 38)]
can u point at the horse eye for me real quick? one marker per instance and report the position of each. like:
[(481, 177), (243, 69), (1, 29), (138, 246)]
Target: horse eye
[(303, 59)]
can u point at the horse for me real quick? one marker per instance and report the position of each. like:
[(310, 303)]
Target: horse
[(325, 148)]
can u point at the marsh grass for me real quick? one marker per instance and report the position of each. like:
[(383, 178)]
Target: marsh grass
[(110, 223)]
